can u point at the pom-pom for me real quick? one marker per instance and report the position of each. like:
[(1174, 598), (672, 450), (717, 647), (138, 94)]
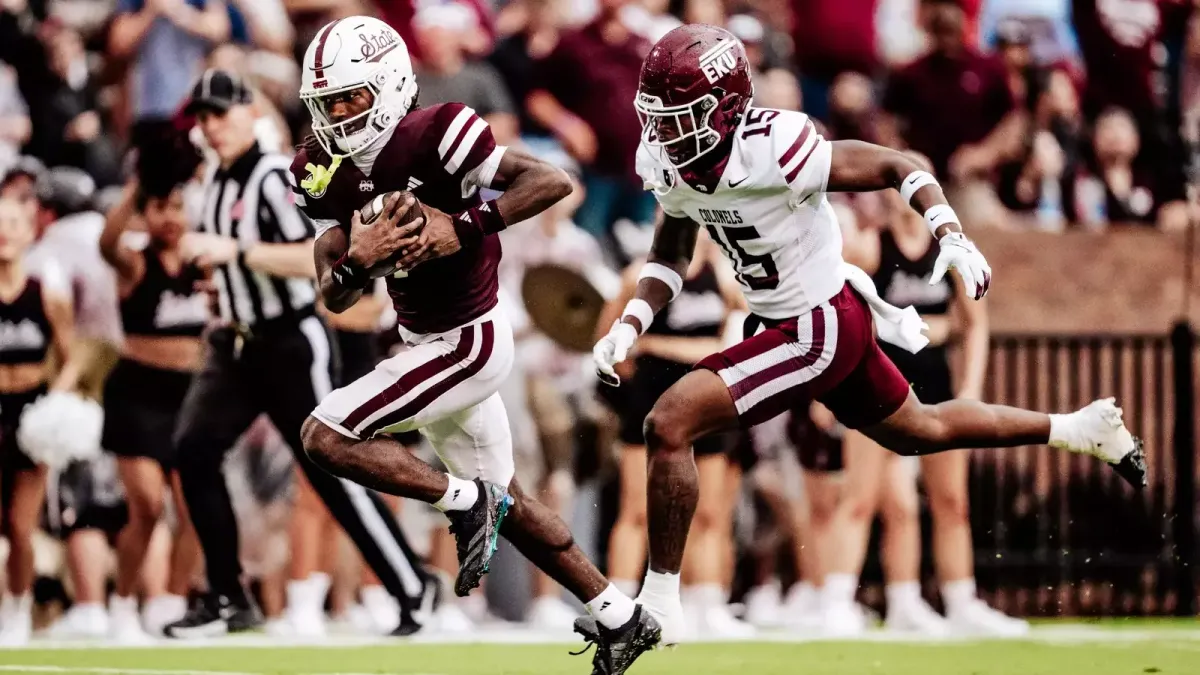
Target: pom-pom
[(59, 428)]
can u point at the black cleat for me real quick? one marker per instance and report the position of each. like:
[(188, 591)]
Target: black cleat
[(617, 649), (213, 615), (1132, 466), (476, 532)]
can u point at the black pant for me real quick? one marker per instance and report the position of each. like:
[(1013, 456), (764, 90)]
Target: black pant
[(283, 371)]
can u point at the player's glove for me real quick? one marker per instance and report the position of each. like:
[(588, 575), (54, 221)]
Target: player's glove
[(611, 350), (960, 253)]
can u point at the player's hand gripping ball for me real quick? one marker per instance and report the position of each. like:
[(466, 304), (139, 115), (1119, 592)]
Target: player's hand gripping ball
[(382, 231)]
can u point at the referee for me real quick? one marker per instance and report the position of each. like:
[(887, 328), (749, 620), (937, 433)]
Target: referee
[(269, 354)]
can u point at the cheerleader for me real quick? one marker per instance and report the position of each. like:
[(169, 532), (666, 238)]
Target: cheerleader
[(34, 319)]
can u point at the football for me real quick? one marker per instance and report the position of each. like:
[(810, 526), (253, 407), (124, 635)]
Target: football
[(372, 212)]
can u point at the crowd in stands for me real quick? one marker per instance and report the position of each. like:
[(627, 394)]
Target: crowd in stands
[(1047, 115)]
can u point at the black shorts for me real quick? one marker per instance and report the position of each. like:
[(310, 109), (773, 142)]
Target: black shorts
[(928, 371), (141, 407), (12, 458), (654, 376), (87, 496)]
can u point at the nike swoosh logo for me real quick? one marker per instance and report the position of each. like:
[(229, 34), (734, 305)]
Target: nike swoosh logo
[(733, 184)]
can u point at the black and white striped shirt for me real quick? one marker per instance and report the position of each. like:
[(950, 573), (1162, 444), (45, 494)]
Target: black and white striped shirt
[(252, 202)]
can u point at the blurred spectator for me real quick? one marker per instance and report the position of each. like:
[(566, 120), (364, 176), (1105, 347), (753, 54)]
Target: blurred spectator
[(68, 254), (445, 75), (1047, 22), (266, 24), (1119, 42), (899, 35), (62, 99), (652, 19), (583, 94), (954, 103), (515, 56), (778, 88), (166, 42), (852, 107), (1123, 188), (831, 38), (1012, 45), (20, 183), (15, 127)]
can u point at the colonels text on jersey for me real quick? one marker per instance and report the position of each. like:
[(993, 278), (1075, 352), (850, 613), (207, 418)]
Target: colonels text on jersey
[(768, 212), (442, 154)]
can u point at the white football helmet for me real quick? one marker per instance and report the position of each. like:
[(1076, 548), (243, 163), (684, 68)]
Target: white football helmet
[(349, 54)]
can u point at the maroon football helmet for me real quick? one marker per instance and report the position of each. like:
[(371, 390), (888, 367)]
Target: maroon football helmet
[(694, 87)]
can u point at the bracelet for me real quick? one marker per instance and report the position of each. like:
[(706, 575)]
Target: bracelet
[(475, 223), (350, 274)]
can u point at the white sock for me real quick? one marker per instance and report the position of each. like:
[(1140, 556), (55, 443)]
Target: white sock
[(612, 608), (958, 594), (627, 586), (660, 590), (123, 607), (839, 589), (902, 595), (709, 595), (460, 495), (1062, 431)]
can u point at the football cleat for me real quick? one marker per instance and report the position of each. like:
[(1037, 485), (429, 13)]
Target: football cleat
[(618, 648), (214, 615), (1099, 430), (476, 532)]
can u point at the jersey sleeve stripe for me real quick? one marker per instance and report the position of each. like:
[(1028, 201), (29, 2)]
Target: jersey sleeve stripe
[(446, 147), (799, 143), (791, 175), (465, 145)]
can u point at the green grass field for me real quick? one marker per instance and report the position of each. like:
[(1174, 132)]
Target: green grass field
[(1094, 649)]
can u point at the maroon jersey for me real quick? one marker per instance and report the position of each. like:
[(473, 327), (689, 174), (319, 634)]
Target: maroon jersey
[(442, 154)]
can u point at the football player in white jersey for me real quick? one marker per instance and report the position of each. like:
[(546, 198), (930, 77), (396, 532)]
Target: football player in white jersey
[(757, 179)]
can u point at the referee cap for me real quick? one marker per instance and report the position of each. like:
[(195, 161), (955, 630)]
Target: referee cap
[(217, 90)]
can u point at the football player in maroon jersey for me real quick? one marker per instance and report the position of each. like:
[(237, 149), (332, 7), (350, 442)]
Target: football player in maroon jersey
[(370, 140)]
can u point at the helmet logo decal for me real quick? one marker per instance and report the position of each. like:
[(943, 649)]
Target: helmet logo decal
[(718, 61), (375, 47)]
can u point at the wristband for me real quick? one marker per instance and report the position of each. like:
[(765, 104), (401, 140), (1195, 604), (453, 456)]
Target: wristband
[(668, 276), (475, 223), (640, 310), (349, 274), (913, 182), (938, 215)]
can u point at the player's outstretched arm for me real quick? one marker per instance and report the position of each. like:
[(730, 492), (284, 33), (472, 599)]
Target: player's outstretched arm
[(856, 166), (658, 283)]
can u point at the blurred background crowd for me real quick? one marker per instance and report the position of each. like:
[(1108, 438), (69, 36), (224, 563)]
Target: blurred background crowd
[(1040, 115)]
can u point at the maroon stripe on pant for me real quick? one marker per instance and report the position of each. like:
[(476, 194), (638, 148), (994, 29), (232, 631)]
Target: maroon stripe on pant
[(789, 365), (420, 401), (412, 378)]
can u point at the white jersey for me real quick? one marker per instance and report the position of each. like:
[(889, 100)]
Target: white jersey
[(768, 213)]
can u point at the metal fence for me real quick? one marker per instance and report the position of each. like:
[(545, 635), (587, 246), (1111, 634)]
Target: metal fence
[(1060, 534)]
